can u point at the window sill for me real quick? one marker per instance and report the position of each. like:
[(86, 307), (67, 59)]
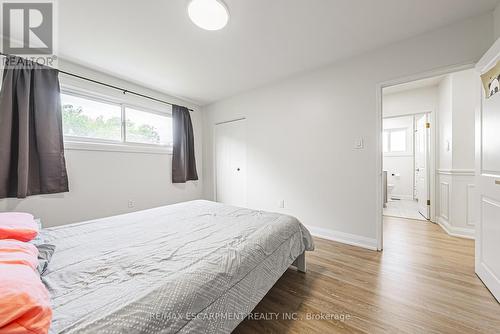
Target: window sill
[(118, 147)]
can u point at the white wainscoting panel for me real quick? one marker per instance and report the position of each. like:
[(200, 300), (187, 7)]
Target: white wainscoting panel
[(458, 204), (444, 200), (472, 205)]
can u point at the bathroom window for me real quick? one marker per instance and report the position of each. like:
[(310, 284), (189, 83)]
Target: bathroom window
[(395, 140)]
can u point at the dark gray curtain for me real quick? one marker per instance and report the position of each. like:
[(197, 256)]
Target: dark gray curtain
[(31, 140), (183, 160)]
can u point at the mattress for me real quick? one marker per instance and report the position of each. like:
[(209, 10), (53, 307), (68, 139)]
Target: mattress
[(193, 267)]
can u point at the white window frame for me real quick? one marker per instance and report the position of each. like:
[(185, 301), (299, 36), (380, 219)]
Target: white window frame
[(408, 151), (95, 144)]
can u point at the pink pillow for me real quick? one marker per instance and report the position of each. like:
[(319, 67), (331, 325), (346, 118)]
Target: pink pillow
[(24, 300), (17, 225)]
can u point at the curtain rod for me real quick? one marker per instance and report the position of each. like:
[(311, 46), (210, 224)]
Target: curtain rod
[(125, 91)]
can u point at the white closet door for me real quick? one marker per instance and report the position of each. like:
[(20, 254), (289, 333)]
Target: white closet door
[(231, 163), (488, 182)]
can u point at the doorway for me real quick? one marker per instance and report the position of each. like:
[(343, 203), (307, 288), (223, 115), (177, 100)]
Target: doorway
[(406, 163), (443, 106), (231, 163)]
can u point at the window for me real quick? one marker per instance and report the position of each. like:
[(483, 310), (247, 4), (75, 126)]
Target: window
[(385, 136), (87, 118), (395, 141), (96, 121), (148, 128)]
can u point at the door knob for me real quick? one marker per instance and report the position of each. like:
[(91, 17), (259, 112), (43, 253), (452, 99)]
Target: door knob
[(238, 169)]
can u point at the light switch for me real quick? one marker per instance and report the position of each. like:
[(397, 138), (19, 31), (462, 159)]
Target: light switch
[(359, 144)]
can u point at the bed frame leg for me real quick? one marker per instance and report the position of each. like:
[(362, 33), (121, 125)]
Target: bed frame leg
[(300, 263)]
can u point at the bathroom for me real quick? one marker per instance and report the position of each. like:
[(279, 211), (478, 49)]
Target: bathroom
[(400, 165), (409, 141)]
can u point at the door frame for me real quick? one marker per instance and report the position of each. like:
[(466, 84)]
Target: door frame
[(379, 220), (431, 146), (214, 151), (431, 157)]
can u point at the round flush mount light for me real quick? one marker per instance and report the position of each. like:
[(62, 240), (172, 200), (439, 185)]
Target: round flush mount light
[(208, 14)]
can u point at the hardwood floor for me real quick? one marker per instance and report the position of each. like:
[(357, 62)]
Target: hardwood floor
[(423, 282)]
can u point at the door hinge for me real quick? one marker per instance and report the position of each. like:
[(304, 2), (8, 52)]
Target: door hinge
[(428, 125), (428, 202)]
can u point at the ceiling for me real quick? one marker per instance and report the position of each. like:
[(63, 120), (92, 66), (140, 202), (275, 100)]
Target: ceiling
[(153, 42)]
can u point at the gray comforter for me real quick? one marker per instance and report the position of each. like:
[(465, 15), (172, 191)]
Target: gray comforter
[(194, 267)]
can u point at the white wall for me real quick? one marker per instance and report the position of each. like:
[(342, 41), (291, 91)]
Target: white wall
[(459, 97), (102, 183), (301, 131), (445, 124), (410, 102), (466, 97), (400, 166)]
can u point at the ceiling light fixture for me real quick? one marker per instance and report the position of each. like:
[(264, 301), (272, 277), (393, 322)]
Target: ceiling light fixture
[(208, 14)]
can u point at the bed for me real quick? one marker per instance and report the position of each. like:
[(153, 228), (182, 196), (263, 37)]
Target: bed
[(193, 267)]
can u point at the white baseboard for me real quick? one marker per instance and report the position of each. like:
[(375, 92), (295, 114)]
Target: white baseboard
[(460, 232), (345, 238)]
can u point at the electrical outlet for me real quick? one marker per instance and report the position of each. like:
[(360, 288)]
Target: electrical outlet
[(281, 204), (131, 203)]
